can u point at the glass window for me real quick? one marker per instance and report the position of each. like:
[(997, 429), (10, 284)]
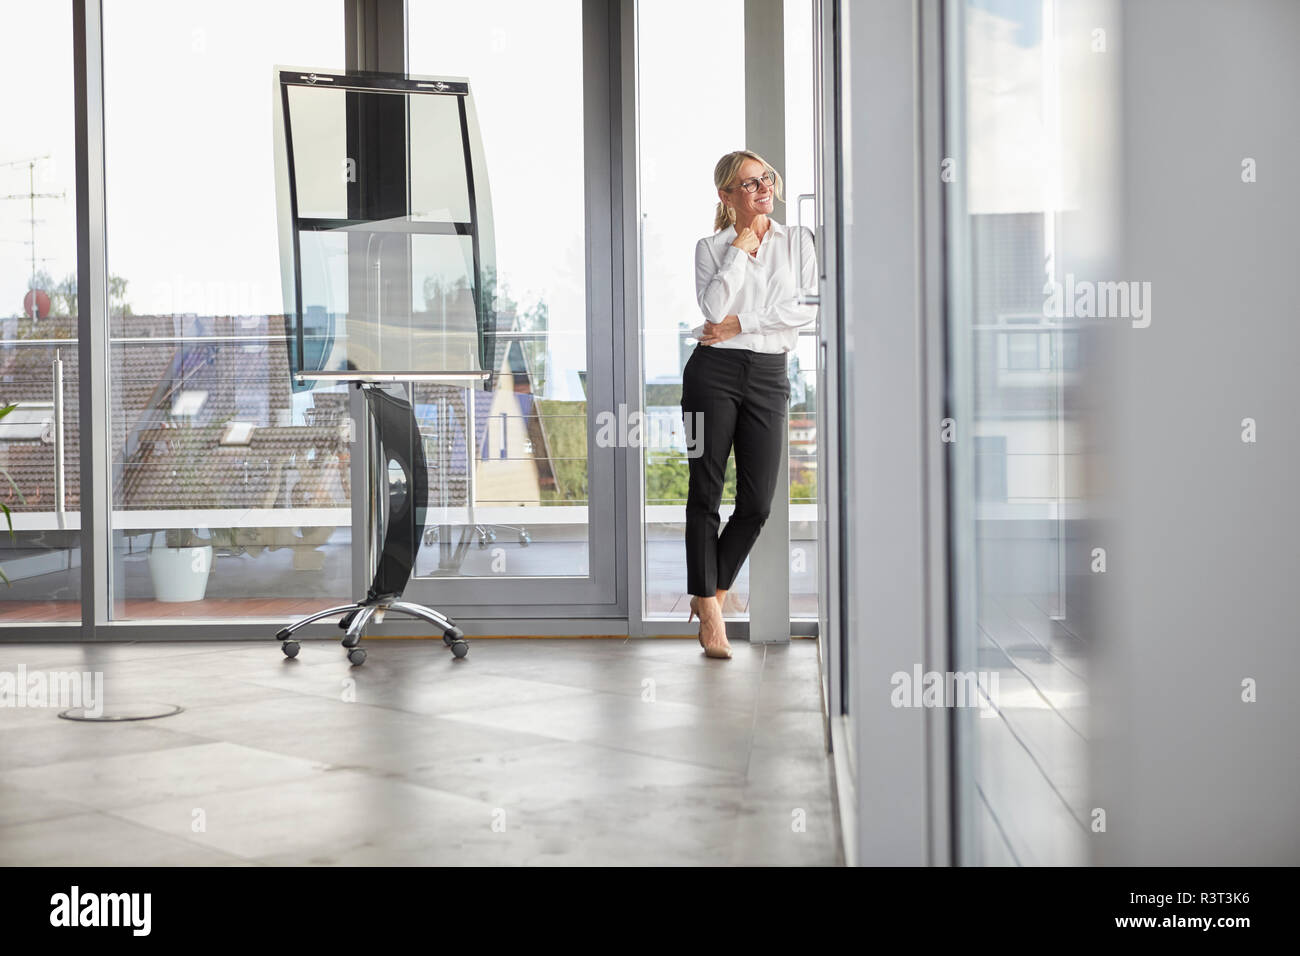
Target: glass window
[(800, 156), (1028, 211), (679, 149), (40, 449), (231, 492), (1022, 351), (508, 493), (678, 152)]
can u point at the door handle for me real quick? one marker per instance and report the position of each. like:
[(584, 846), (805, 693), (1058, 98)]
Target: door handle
[(805, 296)]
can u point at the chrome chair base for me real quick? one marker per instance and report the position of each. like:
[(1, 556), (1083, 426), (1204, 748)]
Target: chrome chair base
[(357, 615)]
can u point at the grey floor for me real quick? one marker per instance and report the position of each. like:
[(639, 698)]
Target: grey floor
[(592, 751)]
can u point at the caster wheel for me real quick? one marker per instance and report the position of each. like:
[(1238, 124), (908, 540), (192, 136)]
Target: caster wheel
[(290, 648), (525, 539), (452, 634), (459, 649), (357, 655), (352, 641), (491, 536)]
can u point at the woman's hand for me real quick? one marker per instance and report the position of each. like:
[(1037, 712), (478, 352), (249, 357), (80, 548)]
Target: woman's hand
[(715, 332), (747, 239)]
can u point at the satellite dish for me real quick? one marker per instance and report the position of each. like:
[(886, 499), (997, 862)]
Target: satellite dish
[(42, 303)]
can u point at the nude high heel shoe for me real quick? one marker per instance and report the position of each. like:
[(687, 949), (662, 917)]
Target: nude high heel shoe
[(722, 650)]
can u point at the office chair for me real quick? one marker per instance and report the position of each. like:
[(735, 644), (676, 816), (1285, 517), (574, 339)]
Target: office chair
[(397, 442)]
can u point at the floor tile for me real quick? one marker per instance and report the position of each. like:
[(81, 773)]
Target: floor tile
[(528, 752)]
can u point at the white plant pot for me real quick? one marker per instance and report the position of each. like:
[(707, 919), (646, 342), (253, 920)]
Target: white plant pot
[(180, 574)]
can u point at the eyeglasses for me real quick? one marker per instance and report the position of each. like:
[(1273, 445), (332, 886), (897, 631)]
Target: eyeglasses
[(751, 185)]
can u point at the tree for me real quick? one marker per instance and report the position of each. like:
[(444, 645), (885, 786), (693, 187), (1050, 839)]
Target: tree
[(536, 320), (501, 305), (667, 480), (63, 295), (117, 304)]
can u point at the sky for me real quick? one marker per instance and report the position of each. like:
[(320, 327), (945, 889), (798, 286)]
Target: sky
[(191, 195), (693, 112), (35, 45)]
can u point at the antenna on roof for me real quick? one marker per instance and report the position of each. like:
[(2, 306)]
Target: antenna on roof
[(31, 196)]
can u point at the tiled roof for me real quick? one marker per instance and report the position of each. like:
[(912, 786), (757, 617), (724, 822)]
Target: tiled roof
[(304, 467), (26, 375), (172, 461)]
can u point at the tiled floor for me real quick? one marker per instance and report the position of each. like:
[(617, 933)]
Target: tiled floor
[(527, 752)]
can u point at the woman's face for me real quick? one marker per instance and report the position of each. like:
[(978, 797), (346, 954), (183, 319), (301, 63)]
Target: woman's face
[(748, 205)]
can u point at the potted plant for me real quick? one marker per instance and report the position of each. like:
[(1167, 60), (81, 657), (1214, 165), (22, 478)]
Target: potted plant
[(181, 565)]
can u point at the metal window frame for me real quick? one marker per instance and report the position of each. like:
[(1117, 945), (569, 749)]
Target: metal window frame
[(832, 468), (963, 604), (897, 807), (92, 313), (627, 182)]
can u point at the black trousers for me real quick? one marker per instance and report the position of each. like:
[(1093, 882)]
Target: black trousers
[(730, 397)]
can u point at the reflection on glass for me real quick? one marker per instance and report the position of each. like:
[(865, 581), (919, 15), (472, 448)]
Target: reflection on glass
[(382, 190), (1030, 209)]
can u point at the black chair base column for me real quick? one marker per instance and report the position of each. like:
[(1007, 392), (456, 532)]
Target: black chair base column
[(398, 441)]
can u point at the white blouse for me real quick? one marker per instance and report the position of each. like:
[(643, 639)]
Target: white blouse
[(761, 290)]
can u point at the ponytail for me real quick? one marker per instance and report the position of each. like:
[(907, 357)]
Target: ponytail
[(723, 217)]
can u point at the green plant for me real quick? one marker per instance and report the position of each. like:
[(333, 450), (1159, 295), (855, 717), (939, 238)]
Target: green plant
[(668, 480), (63, 295), (564, 424), (184, 538)]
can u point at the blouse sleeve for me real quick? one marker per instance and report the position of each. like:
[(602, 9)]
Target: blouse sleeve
[(718, 287)]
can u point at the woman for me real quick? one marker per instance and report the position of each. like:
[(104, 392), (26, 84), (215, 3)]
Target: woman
[(735, 389)]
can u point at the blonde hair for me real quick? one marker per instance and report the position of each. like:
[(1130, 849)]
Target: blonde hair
[(726, 176)]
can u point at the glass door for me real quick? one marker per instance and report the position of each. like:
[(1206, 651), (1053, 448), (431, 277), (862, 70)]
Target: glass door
[(521, 497), (229, 491)]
